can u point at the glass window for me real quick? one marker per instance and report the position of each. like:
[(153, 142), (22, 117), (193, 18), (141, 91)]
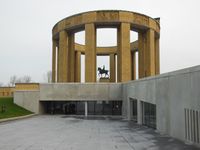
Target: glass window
[(116, 108), (134, 109), (149, 114), (91, 108), (99, 108), (107, 108), (80, 108)]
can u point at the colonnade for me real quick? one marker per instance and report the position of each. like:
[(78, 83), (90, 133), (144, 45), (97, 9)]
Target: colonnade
[(66, 64)]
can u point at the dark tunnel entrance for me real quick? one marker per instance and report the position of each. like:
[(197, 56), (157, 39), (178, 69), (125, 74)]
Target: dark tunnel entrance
[(80, 108)]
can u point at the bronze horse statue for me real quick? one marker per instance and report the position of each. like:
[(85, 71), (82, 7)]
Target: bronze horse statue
[(102, 71)]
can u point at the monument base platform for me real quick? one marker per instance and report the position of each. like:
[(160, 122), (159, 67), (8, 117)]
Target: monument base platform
[(104, 80)]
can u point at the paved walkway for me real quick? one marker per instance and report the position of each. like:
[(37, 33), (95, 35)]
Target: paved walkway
[(69, 133)]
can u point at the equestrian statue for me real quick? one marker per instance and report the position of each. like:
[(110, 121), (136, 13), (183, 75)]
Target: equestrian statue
[(102, 71)]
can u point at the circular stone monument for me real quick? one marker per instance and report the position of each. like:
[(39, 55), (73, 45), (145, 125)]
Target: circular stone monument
[(66, 64)]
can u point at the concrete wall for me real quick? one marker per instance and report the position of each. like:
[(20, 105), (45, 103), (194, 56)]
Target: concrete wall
[(172, 93), (28, 100), (81, 92)]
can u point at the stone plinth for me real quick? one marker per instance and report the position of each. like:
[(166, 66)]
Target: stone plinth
[(104, 79)]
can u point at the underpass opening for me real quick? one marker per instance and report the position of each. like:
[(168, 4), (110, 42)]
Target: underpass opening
[(110, 108)]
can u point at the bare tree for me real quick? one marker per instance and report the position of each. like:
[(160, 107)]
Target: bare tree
[(26, 79), (47, 77), (13, 80), (19, 80)]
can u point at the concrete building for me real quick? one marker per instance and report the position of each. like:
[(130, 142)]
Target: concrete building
[(167, 102)]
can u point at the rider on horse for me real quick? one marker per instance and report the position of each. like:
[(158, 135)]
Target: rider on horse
[(102, 71)]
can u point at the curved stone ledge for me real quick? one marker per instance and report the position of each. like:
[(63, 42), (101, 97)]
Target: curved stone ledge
[(108, 19), (105, 50)]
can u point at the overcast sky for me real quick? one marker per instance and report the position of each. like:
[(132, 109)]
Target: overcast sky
[(25, 32)]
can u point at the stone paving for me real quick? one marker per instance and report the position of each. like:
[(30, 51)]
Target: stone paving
[(58, 132)]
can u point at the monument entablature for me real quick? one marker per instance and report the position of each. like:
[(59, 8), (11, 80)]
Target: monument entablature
[(66, 62), (107, 19), (105, 50)]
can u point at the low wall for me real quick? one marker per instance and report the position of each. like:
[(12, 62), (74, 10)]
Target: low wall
[(6, 91), (26, 86)]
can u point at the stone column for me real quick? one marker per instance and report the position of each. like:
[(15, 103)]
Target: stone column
[(150, 68), (71, 58), (118, 55), (157, 55), (123, 53), (90, 53), (112, 68), (86, 109), (63, 55), (141, 54), (78, 67), (53, 61), (133, 65), (57, 72)]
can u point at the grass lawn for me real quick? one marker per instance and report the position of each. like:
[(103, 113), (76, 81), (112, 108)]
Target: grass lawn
[(11, 109)]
